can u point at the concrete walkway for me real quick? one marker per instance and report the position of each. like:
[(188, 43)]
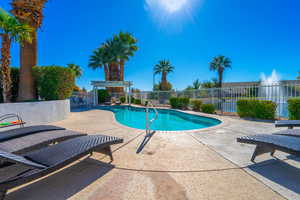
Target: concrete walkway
[(207, 164)]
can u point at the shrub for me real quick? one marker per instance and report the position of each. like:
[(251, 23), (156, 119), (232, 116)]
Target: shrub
[(137, 101), (54, 82), (179, 102), (259, 109), (103, 95), (123, 99), (132, 99), (294, 108), (208, 108), (196, 105)]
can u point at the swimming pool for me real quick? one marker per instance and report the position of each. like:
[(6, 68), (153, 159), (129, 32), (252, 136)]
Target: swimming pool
[(168, 120)]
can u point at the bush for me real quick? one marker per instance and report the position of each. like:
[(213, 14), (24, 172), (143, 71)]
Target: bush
[(259, 109), (208, 108), (54, 82), (179, 102), (137, 101), (294, 108), (123, 99), (103, 96), (196, 105)]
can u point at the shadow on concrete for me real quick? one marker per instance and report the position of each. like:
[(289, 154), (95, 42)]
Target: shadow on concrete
[(280, 172), (64, 184), (145, 141)]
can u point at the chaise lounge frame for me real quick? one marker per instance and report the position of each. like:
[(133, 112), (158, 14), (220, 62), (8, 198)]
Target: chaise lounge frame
[(47, 160)]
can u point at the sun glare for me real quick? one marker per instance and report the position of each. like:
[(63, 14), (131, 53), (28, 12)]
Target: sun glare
[(170, 6)]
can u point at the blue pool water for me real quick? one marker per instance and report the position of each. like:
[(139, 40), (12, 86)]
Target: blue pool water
[(168, 120)]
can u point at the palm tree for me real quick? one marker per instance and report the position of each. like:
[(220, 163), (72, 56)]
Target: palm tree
[(298, 76), (11, 30), (31, 13), (196, 84), (76, 68), (112, 55), (100, 59), (126, 46), (219, 64), (164, 67)]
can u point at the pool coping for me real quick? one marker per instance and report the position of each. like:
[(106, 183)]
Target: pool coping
[(223, 120)]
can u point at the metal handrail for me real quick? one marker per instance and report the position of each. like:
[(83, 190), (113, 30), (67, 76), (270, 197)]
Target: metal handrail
[(150, 122)]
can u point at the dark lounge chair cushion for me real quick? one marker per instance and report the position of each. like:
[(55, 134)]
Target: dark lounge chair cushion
[(284, 143), (20, 132), (32, 142), (71, 149), (9, 157), (287, 123), (289, 132)]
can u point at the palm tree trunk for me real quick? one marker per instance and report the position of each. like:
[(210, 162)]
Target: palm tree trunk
[(5, 60), (220, 78), (27, 89), (122, 63), (164, 82)]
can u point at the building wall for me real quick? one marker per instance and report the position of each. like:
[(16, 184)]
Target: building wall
[(36, 113)]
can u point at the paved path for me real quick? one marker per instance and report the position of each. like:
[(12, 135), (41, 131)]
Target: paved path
[(207, 164)]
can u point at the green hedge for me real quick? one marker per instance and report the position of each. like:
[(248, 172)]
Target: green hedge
[(259, 109), (208, 108), (123, 99), (137, 101), (179, 102), (103, 95), (54, 82), (196, 105), (294, 108)]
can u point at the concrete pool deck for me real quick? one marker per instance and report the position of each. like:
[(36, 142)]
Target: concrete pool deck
[(206, 164)]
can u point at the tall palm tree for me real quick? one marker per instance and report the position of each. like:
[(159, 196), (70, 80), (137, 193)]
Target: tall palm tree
[(125, 46), (30, 12), (100, 59), (76, 68), (11, 30), (112, 55), (196, 84), (164, 67), (219, 64)]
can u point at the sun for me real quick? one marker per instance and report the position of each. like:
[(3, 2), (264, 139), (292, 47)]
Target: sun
[(171, 6)]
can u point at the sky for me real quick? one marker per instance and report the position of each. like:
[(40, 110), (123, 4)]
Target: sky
[(258, 36)]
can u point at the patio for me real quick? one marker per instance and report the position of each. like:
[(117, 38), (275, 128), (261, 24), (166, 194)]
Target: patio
[(208, 164)]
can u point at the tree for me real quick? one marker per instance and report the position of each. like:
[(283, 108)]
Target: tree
[(11, 30), (219, 64), (31, 13), (76, 68), (298, 76), (164, 67), (210, 84), (125, 46), (196, 84), (112, 55)]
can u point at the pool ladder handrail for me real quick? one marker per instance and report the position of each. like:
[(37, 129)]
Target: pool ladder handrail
[(150, 122)]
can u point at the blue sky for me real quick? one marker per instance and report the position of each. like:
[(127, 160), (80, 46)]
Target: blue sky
[(257, 35)]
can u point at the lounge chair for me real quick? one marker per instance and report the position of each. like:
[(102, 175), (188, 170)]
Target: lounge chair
[(266, 143), (47, 160), (288, 123), (289, 132), (19, 132), (39, 140)]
